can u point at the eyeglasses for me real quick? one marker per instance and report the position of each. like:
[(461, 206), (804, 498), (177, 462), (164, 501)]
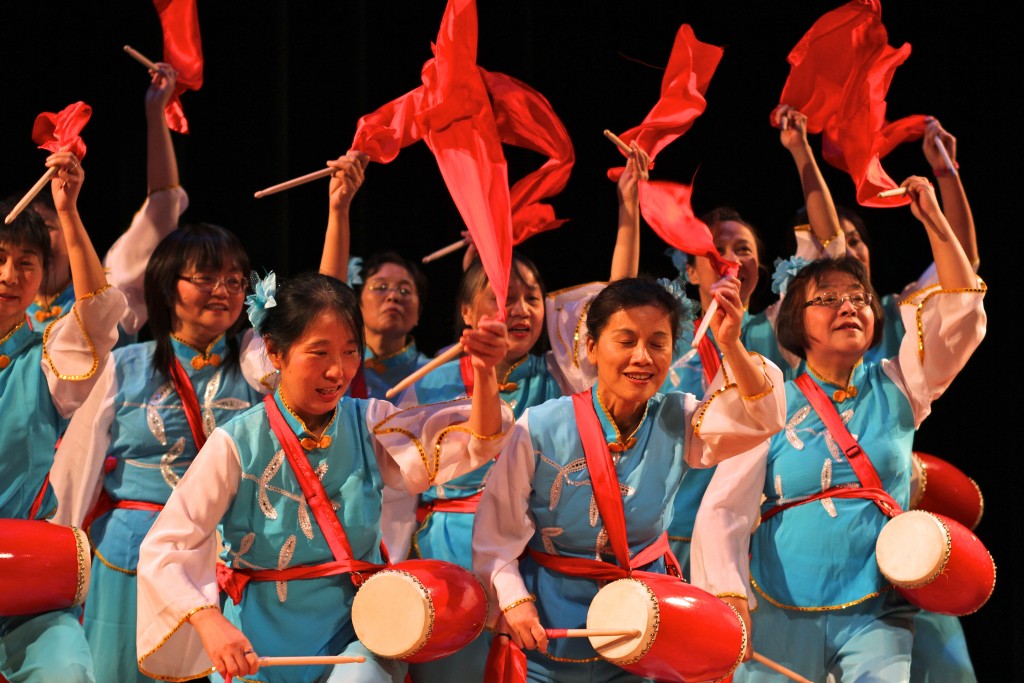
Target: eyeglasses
[(835, 299), (381, 289), (233, 284)]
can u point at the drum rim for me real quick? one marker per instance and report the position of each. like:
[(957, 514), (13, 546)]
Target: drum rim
[(647, 640), (431, 612), (83, 549)]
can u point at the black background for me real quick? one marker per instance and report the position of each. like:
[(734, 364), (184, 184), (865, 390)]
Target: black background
[(286, 82)]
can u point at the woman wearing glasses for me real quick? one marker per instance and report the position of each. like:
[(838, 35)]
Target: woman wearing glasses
[(391, 300), (159, 400), (823, 607)]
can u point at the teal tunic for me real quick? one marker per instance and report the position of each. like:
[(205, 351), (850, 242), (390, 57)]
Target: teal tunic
[(382, 374)]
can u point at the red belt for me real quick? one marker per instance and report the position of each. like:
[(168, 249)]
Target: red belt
[(463, 505), (608, 571), (880, 496), (233, 581)]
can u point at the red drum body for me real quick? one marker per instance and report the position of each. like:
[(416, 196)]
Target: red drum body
[(419, 610), (686, 634), (938, 486), (935, 562), (43, 567)]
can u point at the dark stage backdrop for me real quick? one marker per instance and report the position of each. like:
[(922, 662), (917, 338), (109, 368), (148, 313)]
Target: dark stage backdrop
[(286, 82)]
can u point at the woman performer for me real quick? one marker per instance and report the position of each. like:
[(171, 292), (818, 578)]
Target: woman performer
[(392, 290), (445, 513), (536, 526), (44, 377), (823, 605), (737, 240), (157, 404), (306, 449)]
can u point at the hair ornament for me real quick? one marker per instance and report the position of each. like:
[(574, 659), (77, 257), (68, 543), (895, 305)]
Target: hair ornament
[(262, 297), (785, 271), (355, 271)]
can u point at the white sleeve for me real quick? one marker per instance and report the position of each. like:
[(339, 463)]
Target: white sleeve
[(177, 563), (398, 521), (727, 516), (259, 373), (77, 346), (503, 524), (77, 472), (429, 444), (566, 320), (943, 330), (727, 424), (126, 259)]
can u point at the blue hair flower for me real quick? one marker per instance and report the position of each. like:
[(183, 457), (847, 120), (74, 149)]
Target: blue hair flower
[(689, 310), (678, 259), (785, 271), (262, 298), (355, 271)]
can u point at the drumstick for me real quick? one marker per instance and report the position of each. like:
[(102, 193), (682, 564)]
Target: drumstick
[(789, 673), (626, 149), (897, 192), (588, 632), (288, 184), (30, 195), (945, 157), (704, 324), (444, 251), (314, 660), (137, 56), (451, 354)]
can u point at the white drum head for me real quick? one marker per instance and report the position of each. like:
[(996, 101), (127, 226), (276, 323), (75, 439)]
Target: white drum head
[(624, 604), (392, 614), (912, 548)]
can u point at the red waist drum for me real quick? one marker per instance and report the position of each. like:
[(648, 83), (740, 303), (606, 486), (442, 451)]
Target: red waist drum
[(43, 567), (938, 486), (935, 562), (419, 610), (686, 634)]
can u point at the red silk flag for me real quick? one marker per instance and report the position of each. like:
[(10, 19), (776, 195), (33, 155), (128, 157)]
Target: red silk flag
[(840, 73), (666, 208), (525, 118), (55, 132), (184, 51)]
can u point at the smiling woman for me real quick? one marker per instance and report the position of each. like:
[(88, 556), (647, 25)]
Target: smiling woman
[(545, 536)]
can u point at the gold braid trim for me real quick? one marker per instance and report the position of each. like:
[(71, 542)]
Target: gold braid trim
[(764, 371), (739, 596), (698, 418), (13, 330), (181, 623), (825, 608), (163, 189), (88, 340), (925, 295), (90, 295)]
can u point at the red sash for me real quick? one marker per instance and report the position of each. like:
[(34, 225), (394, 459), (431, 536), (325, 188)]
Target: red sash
[(357, 388), (189, 402), (870, 483), (466, 370), (233, 581), (466, 505)]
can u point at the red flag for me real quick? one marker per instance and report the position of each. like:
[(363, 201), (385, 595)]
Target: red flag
[(506, 661), (58, 131), (182, 50), (525, 118), (690, 67), (666, 208), (840, 73)]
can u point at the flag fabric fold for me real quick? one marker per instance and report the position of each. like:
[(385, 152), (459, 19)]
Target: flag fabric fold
[(183, 50), (56, 131)]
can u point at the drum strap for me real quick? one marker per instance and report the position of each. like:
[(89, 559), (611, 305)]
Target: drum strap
[(466, 505), (855, 455), (710, 360), (598, 570), (466, 370), (233, 581), (189, 402)]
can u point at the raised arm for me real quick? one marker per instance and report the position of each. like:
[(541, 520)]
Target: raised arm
[(748, 371), (821, 211), (86, 269), (951, 263), (161, 163), (954, 199), (349, 171), (487, 345), (626, 256)]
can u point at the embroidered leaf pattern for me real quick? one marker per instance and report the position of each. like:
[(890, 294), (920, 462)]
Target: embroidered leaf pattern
[(284, 558), (153, 419)]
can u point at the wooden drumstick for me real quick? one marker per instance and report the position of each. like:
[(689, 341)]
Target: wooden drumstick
[(896, 192), (588, 632), (138, 57), (31, 194), (288, 184), (945, 157), (704, 324), (313, 660), (788, 673), (451, 354), (444, 251), (626, 149)]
